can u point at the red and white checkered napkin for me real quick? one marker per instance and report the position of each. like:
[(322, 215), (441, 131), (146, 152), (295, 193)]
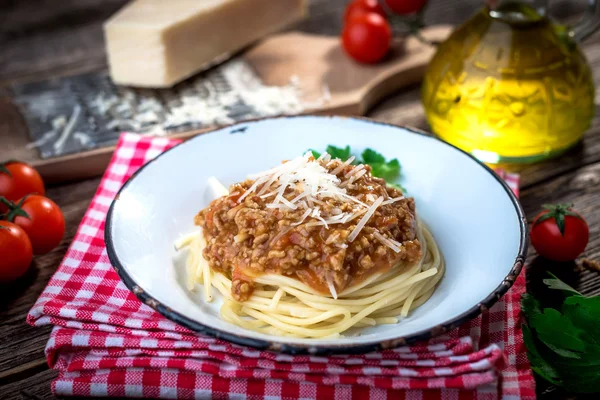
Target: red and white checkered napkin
[(107, 343)]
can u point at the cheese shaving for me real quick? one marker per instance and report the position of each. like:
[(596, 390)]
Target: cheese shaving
[(343, 165), (266, 196), (286, 202), (355, 170), (331, 287), (303, 217), (390, 201), (363, 221), (277, 206), (302, 172), (350, 217), (322, 156), (270, 182), (354, 199), (251, 189), (337, 219), (392, 244), (354, 178), (300, 196), (317, 214)]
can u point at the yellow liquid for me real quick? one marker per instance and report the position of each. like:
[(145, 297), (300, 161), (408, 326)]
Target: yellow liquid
[(509, 90)]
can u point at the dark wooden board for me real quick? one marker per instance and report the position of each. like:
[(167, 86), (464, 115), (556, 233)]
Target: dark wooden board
[(41, 39)]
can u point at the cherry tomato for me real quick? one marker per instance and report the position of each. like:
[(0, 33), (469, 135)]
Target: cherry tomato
[(405, 7), (15, 252), (359, 7), (18, 179), (366, 38), (44, 223), (559, 233)]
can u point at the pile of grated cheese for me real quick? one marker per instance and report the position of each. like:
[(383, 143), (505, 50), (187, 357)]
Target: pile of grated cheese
[(314, 183), (228, 93)]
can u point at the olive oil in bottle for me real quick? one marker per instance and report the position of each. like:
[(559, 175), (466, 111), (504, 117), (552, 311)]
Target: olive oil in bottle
[(509, 86)]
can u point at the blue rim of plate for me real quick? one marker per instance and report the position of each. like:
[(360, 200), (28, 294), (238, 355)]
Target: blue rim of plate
[(320, 349)]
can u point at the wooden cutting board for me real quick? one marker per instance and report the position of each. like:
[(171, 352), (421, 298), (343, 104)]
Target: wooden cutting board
[(354, 88), (328, 82)]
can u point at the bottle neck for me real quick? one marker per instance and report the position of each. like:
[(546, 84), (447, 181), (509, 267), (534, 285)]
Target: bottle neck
[(522, 11)]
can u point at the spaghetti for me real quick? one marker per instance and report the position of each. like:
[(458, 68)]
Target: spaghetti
[(284, 306), (312, 248)]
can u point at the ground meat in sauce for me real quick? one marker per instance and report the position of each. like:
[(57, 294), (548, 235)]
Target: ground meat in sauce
[(246, 239)]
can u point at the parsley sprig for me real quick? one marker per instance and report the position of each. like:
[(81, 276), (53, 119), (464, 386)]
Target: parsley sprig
[(380, 167), (564, 344)]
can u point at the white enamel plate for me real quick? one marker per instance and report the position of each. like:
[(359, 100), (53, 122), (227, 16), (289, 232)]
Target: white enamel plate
[(475, 218)]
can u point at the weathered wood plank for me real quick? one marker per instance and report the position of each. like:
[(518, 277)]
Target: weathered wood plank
[(36, 386), (42, 39)]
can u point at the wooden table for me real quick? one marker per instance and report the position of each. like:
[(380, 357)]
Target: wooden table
[(45, 38)]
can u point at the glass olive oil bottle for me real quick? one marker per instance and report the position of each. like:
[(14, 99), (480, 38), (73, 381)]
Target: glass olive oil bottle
[(509, 86)]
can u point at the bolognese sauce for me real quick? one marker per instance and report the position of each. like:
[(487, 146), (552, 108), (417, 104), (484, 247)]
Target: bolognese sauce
[(327, 223)]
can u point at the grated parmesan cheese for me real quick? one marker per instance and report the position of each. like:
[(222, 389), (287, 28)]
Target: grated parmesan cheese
[(363, 221), (317, 214), (303, 217), (331, 287), (390, 201), (315, 183), (392, 244), (230, 92), (342, 166)]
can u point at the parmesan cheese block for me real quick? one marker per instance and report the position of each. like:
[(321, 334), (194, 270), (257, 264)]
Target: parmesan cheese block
[(157, 43)]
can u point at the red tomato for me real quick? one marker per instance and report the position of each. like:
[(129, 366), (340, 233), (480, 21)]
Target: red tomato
[(405, 7), (559, 233), (45, 224), (367, 37), (359, 7), (18, 179), (15, 252)]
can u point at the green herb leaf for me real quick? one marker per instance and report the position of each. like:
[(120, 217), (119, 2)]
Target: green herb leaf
[(388, 171), (379, 167), (338, 152), (371, 157), (555, 283), (564, 344), (530, 305), (585, 313), (315, 153), (538, 364), (566, 341)]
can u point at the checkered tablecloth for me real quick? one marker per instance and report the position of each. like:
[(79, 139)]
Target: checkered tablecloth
[(105, 342)]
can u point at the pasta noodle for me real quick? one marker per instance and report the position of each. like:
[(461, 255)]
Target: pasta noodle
[(285, 306)]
